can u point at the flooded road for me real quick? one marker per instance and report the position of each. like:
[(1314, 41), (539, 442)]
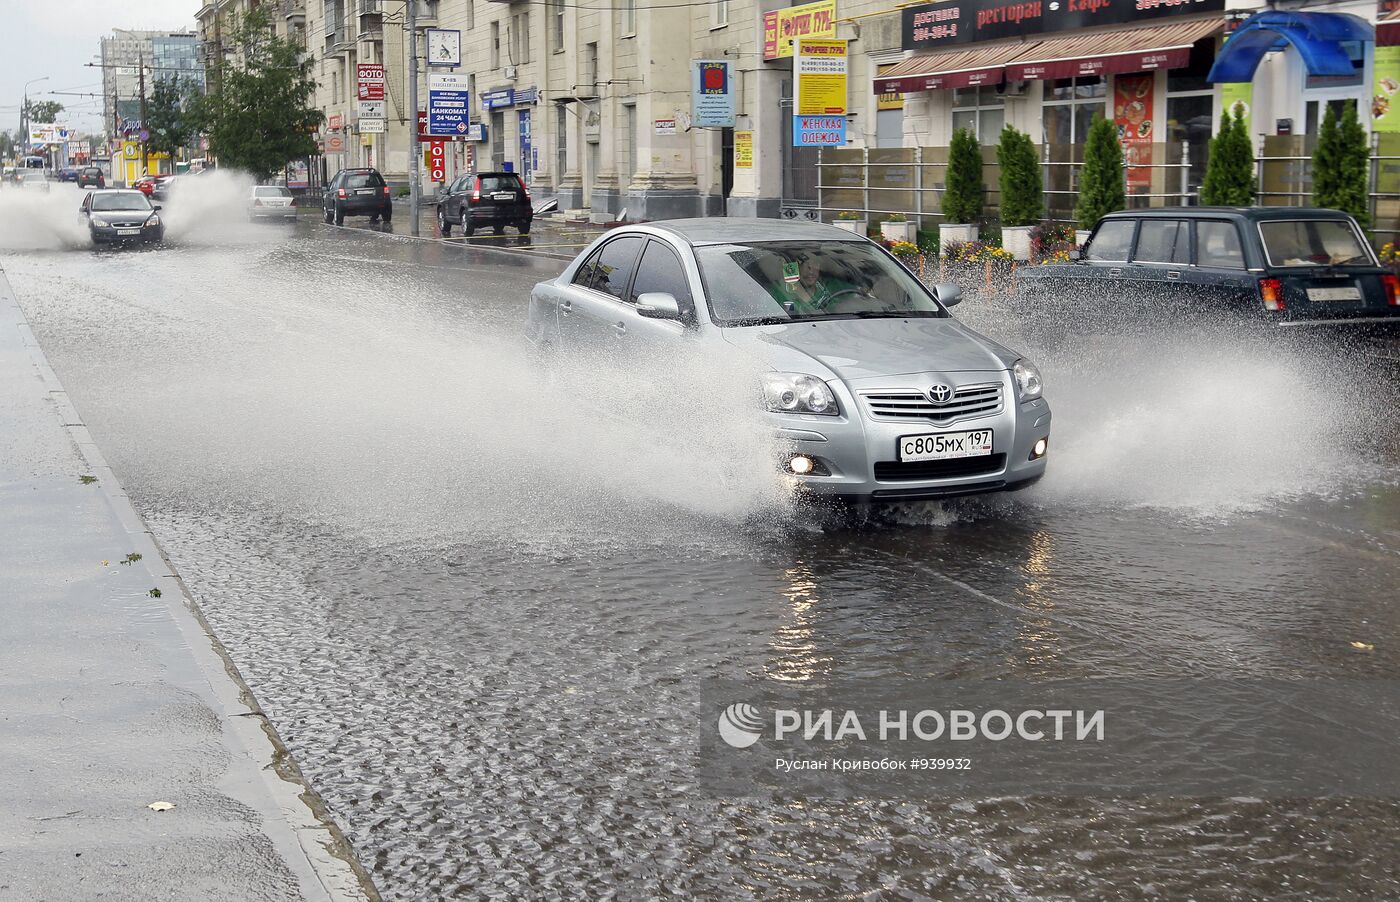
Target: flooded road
[(474, 611)]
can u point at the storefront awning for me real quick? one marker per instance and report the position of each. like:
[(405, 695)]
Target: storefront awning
[(1317, 37), (951, 69), (1113, 52), (1388, 29)]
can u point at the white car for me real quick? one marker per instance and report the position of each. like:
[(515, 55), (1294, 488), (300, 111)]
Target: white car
[(34, 179), (271, 201)]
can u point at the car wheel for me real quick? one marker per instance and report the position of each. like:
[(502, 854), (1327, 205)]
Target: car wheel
[(444, 224), (388, 214), (467, 227), (524, 227), (339, 215), (326, 215)]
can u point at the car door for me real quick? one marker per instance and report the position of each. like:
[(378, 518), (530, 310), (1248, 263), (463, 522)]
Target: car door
[(1219, 285), (1161, 257), (1086, 293), (329, 192), (600, 310), (452, 201), (659, 270)]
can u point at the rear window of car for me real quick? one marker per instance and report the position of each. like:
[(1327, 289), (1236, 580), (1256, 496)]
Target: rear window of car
[(1163, 241), (1218, 245), (1313, 242), (499, 183), (271, 192), (364, 180), (92, 170), (1112, 241)]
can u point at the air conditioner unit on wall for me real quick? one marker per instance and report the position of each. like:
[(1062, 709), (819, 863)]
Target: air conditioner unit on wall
[(510, 72)]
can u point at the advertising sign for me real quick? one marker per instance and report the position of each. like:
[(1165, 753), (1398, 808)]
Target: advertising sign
[(335, 144), (743, 150), (811, 20), (435, 158), (477, 132), (297, 174), (448, 110), (444, 47), (373, 109), (1239, 95), (890, 100), (1132, 113), (371, 81), (526, 145), (818, 131), (371, 126), (497, 98), (1385, 117), (820, 67), (335, 121), (711, 94), (935, 25), (665, 127)]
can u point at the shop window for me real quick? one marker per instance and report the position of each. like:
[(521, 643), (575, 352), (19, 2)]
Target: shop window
[(1070, 105), (980, 109), (1193, 76), (1316, 111)]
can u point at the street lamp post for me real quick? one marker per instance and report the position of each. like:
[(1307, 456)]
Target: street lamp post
[(24, 112)]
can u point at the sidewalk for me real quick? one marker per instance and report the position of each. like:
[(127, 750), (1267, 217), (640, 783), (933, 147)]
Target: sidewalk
[(114, 695)]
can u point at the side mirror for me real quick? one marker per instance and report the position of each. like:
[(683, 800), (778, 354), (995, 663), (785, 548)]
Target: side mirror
[(155, 206), (949, 295), (658, 305)]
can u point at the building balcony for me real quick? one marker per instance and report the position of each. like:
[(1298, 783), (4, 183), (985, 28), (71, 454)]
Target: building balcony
[(294, 11)]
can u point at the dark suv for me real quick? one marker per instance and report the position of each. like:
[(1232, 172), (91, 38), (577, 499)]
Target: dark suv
[(495, 199), (91, 177), (1276, 266), (357, 192)]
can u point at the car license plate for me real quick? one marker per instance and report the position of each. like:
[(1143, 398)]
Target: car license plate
[(507, 196), (945, 445), (128, 231), (365, 191), (1349, 293)]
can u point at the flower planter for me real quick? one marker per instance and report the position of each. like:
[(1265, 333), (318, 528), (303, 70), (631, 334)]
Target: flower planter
[(898, 231), (859, 226), (1017, 240), (955, 232)]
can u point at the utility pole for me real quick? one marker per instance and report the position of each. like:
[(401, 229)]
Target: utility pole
[(141, 80), (411, 20)]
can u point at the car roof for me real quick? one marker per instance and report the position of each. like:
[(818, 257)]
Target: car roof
[(731, 230), (1251, 213)]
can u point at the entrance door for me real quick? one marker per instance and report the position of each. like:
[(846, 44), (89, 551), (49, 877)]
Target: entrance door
[(726, 164), (527, 150)]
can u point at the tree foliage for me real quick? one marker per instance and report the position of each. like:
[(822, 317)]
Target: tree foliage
[(1230, 180), (43, 112), (169, 115), (1022, 194), (1101, 188), (257, 113), (1341, 165), (963, 187)]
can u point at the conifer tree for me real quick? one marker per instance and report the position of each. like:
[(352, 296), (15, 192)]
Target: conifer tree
[(1229, 180), (1022, 194), (1101, 188), (963, 187), (1341, 165)]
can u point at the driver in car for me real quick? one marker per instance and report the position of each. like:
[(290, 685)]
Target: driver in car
[(811, 292)]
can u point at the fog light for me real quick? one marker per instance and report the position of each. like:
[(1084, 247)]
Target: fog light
[(1038, 451), (801, 465)]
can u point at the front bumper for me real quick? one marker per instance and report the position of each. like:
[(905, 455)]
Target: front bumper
[(109, 234), (852, 444)]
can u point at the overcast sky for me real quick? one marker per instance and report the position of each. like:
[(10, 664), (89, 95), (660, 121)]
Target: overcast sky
[(56, 37)]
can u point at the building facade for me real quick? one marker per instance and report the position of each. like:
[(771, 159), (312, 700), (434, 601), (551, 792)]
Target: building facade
[(131, 59)]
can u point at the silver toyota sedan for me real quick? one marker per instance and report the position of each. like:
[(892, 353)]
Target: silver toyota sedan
[(874, 391)]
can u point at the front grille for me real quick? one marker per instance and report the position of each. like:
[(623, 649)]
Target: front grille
[(967, 401), (894, 471)]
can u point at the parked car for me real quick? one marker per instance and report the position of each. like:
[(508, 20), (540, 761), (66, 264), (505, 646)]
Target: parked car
[(495, 199), (91, 177), (874, 391), (33, 180), (357, 192), (271, 201), (1275, 266), (120, 215), (162, 187), (68, 174), (146, 184)]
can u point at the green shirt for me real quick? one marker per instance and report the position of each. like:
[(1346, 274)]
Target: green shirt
[(807, 300)]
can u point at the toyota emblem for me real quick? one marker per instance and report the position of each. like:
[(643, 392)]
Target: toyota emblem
[(940, 394)]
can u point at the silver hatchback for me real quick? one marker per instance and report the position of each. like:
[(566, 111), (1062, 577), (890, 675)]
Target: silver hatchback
[(873, 390)]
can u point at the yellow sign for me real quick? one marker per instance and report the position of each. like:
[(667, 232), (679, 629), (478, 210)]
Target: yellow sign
[(782, 27), (821, 78), (888, 101), (743, 150), (1238, 97), (1385, 101)]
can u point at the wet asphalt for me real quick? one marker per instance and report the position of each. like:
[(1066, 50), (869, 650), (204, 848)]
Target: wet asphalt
[(480, 623)]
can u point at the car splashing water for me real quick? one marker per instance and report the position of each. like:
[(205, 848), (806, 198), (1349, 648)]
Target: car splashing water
[(34, 220)]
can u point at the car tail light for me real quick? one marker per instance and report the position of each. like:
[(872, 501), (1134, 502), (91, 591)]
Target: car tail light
[(257, 201), (476, 189), (525, 191), (1271, 292), (340, 192), (386, 190), (1392, 290)]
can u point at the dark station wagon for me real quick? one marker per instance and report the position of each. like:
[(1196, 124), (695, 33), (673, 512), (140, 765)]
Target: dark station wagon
[(1276, 266)]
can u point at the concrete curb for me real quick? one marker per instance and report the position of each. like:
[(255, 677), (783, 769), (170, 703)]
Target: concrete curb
[(293, 818)]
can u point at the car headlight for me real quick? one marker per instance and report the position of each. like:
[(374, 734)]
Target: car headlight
[(1027, 379), (798, 393), (99, 221), (153, 221)]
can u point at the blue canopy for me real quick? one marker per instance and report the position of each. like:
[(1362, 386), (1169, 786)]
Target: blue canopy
[(1317, 37)]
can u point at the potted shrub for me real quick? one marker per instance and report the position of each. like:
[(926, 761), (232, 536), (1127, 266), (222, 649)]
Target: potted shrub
[(851, 221), (962, 189), (1101, 188), (897, 227), (1022, 195)]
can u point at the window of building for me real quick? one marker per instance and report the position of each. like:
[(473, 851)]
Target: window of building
[(520, 39), (1070, 105), (495, 45), (980, 109), (557, 26), (561, 141), (629, 113), (719, 13), (629, 18), (1191, 112), (590, 67), (470, 22)]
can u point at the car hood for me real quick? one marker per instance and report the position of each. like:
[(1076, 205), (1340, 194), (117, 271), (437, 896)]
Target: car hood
[(853, 349)]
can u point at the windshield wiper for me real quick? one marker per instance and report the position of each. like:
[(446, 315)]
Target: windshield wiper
[(871, 314), (758, 321)]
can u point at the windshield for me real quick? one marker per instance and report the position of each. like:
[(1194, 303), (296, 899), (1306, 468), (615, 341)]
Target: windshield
[(1313, 242), (783, 281), (123, 201), (271, 192)]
